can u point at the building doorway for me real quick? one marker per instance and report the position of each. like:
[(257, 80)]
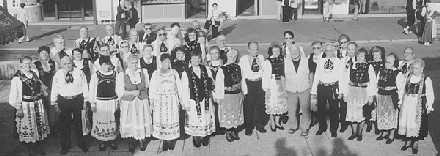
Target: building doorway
[(68, 9), (196, 9), (247, 7)]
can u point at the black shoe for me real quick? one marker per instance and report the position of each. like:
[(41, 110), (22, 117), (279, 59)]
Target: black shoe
[(64, 151), (352, 137), (415, 149), (102, 146), (248, 132), (279, 127), (197, 142), (229, 136), (131, 146), (319, 132), (334, 134), (291, 131), (165, 145), (389, 141), (404, 148), (380, 137), (376, 131), (359, 138), (261, 130), (343, 129), (235, 135), (273, 129), (369, 127), (205, 141), (113, 146), (142, 145), (172, 144)]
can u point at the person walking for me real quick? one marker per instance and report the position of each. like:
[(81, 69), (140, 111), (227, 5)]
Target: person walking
[(429, 15), (328, 10), (23, 16), (287, 10), (410, 15)]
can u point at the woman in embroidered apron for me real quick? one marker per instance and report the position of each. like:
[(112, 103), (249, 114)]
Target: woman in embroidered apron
[(274, 85), (25, 96), (166, 94), (180, 64), (377, 60), (389, 83), (46, 70), (104, 104), (360, 90), (228, 96), (417, 99), (200, 112), (132, 89)]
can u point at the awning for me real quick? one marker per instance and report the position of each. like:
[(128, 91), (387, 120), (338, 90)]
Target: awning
[(10, 27)]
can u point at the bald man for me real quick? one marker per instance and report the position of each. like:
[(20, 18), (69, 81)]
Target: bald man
[(69, 96)]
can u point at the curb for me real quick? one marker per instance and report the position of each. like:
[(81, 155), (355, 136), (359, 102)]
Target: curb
[(261, 44)]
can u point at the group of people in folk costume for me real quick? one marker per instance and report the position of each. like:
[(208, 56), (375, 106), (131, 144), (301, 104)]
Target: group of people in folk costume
[(165, 86)]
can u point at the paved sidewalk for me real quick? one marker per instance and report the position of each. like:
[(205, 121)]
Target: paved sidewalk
[(239, 32)]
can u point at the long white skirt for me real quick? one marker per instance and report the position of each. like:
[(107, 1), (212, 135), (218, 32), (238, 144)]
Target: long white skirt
[(166, 117), (409, 119), (357, 98), (200, 125), (28, 128), (135, 119), (104, 123)]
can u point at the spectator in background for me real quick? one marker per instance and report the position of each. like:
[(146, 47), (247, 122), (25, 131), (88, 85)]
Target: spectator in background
[(214, 16), (287, 10), (427, 31), (148, 36), (328, 8), (134, 16), (23, 16), (410, 15), (121, 19), (279, 8), (295, 4)]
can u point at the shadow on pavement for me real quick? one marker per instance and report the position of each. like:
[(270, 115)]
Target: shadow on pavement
[(227, 30), (50, 33), (281, 148)]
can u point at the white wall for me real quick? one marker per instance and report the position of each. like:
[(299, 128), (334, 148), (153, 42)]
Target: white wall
[(341, 8)]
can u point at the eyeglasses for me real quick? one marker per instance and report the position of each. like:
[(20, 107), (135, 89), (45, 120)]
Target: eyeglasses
[(164, 34), (314, 48)]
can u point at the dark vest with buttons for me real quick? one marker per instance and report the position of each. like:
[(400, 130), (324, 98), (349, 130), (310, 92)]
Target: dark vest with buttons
[(106, 89), (387, 78), (360, 73)]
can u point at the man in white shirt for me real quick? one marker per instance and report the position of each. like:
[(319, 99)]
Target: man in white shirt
[(298, 83), (347, 61), (113, 40), (325, 88), (408, 57), (221, 43), (252, 71), (69, 95), (59, 50)]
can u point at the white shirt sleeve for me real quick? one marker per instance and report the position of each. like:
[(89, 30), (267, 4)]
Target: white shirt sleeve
[(242, 65), (120, 84), (372, 84), (219, 85), (153, 86), (85, 86), (15, 94), (184, 92), (55, 86), (317, 78), (93, 88), (429, 94), (400, 84), (267, 75)]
